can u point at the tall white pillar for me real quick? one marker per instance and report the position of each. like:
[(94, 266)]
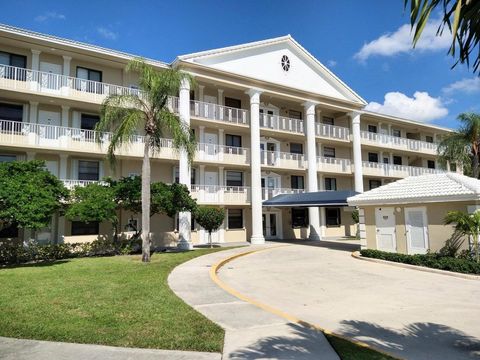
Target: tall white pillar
[(256, 179), (65, 113), (36, 59), (357, 151), (33, 112), (184, 241), (321, 187), (313, 212)]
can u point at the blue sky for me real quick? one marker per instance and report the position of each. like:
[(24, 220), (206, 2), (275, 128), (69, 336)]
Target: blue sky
[(362, 42)]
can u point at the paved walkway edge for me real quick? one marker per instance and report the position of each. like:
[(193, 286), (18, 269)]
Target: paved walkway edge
[(357, 255)]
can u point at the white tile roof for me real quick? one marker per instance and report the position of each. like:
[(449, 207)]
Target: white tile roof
[(419, 189)]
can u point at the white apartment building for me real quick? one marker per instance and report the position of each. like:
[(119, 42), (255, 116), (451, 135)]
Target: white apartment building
[(269, 119)]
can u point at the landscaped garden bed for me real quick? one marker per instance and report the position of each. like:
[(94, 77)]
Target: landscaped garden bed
[(434, 261)]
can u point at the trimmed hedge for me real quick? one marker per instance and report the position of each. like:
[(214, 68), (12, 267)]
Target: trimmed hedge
[(435, 261)]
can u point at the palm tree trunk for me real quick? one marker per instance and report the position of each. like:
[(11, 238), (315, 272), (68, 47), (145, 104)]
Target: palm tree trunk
[(146, 201), (475, 166)]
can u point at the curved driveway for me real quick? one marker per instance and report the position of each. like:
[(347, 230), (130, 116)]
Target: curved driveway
[(411, 314)]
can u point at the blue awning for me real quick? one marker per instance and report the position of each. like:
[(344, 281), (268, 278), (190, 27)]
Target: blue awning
[(311, 199)]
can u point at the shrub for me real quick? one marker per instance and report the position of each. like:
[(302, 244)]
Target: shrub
[(436, 261)]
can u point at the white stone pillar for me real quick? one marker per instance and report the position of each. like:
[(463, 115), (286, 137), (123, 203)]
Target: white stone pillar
[(201, 140), (357, 151), (221, 182), (33, 112), (256, 176), (184, 241), (313, 212), (36, 59)]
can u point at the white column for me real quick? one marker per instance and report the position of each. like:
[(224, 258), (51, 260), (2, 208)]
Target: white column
[(65, 113), (36, 59), (321, 187), (221, 182), (220, 97), (66, 65), (357, 151), (221, 137), (200, 92), (256, 177), (201, 181), (33, 112), (201, 140), (184, 241), (62, 174), (313, 212)]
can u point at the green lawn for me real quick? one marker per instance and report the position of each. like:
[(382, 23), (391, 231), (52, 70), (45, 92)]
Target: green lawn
[(113, 301)]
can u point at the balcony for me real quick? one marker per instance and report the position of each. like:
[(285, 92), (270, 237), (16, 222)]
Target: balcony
[(332, 132), (396, 171), (280, 123), (397, 143), (217, 194), (204, 110), (334, 165), (71, 184), (222, 154), (39, 82), (284, 160), (268, 193)]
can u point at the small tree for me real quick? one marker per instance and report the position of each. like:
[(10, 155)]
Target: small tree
[(467, 225), (94, 202), (29, 194), (210, 219)]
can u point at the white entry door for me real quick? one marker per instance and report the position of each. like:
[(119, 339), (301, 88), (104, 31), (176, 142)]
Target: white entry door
[(49, 80), (211, 144), (385, 224), (417, 230), (211, 186), (210, 106), (271, 222), (49, 134)]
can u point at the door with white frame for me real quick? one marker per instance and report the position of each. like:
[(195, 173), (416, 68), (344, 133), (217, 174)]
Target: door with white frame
[(269, 116), (210, 106), (269, 151), (272, 225), (211, 146), (416, 225), (271, 182), (385, 229), (211, 187), (48, 134), (50, 81)]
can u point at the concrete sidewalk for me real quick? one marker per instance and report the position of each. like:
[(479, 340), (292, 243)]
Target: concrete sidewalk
[(17, 349), (251, 333)]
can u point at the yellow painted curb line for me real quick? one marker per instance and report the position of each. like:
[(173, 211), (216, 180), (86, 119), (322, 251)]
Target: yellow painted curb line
[(213, 275)]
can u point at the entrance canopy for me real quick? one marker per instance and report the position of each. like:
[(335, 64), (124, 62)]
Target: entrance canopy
[(311, 199)]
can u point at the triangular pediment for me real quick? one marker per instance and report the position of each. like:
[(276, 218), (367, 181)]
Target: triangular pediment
[(263, 61)]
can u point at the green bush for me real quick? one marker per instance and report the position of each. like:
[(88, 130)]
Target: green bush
[(435, 261)]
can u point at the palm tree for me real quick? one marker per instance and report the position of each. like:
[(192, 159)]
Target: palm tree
[(466, 224), (463, 146), (146, 109)]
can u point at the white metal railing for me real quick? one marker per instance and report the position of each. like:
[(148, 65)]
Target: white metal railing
[(218, 112), (268, 193), (44, 82), (70, 184), (331, 131), (334, 164), (379, 169), (222, 153), (282, 123), (282, 159), (385, 140), (220, 194)]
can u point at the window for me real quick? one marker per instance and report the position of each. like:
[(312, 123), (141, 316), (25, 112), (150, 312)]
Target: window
[(234, 178), (332, 216), (294, 114), (233, 140), (88, 122), (83, 228), (299, 217), (396, 133), (331, 184), (18, 61), (429, 139), (94, 77), (233, 103), (329, 152), (372, 184), (8, 231), (7, 158), (235, 219), (88, 170), (431, 164), (372, 128), (386, 160), (11, 112), (193, 176), (296, 148), (373, 157), (297, 182), (397, 160), (285, 63), (328, 120)]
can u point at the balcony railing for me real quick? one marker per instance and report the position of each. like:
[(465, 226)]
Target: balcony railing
[(70, 184), (336, 165), (216, 112), (222, 153), (281, 123), (400, 143), (282, 159), (332, 132), (399, 171), (268, 193), (15, 78), (218, 194)]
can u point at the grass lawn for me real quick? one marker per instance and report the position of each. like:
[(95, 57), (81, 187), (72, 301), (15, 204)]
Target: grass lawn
[(347, 350), (114, 301)]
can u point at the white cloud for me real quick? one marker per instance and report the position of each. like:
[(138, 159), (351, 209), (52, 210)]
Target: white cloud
[(331, 63), (400, 42), (107, 34), (467, 86), (50, 15), (421, 107)]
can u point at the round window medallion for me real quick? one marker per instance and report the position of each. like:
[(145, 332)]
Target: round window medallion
[(285, 63)]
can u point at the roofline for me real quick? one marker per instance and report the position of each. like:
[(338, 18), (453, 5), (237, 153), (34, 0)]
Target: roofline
[(413, 122), (76, 44), (415, 200)]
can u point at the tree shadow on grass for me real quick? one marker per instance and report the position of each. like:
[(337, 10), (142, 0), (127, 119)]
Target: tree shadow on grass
[(416, 340), (35, 264)]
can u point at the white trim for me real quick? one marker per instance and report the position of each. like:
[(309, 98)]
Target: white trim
[(410, 249)]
